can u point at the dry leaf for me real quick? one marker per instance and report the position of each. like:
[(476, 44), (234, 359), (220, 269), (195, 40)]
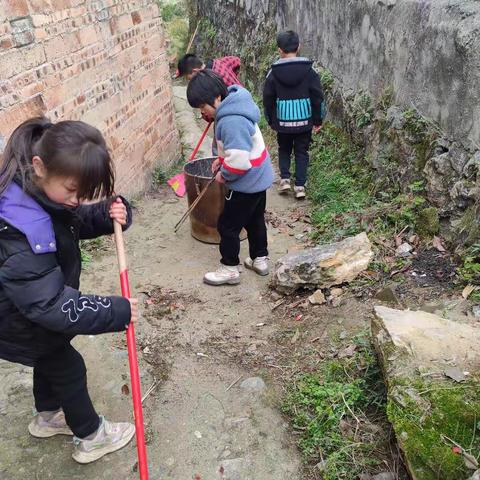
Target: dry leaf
[(298, 317), (347, 352), (125, 389), (468, 290), (438, 244), (470, 461)]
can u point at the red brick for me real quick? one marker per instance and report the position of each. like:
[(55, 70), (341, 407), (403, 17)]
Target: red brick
[(15, 8), (6, 43), (136, 18)]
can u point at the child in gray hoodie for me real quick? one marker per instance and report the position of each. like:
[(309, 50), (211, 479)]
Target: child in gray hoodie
[(245, 168)]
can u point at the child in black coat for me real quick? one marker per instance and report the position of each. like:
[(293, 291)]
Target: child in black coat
[(47, 170), (294, 106)]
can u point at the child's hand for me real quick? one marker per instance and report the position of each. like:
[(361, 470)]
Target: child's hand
[(219, 178), (215, 165), (118, 211), (134, 309)]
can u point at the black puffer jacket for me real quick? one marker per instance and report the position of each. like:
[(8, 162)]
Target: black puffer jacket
[(293, 96), (41, 308)]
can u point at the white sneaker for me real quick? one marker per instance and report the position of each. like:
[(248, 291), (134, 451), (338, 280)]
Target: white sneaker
[(259, 265), (49, 424), (299, 193), (284, 186), (225, 275), (109, 438)]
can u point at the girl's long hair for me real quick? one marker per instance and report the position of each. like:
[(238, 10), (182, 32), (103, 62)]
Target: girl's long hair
[(68, 149)]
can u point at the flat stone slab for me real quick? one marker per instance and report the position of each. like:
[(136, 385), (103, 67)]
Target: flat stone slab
[(431, 367)]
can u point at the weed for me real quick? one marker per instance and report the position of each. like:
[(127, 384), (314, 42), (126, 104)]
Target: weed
[(344, 202), (172, 9), (362, 109), (385, 101), (337, 184), (470, 269), (326, 77), (88, 248), (329, 409), (208, 29)]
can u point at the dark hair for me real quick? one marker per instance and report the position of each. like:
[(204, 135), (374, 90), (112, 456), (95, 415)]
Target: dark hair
[(288, 41), (68, 148), (188, 63), (204, 88)]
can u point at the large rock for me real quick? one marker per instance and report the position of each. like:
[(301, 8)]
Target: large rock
[(323, 266), (432, 370)]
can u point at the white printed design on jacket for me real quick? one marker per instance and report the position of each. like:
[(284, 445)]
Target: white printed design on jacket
[(73, 309)]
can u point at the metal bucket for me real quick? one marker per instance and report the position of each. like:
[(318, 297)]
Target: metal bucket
[(204, 217)]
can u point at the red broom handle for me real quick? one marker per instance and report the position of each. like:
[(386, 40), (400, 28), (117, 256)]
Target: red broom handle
[(199, 144), (132, 357)]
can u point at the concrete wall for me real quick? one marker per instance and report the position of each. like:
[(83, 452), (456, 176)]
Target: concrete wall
[(427, 50), (100, 61)]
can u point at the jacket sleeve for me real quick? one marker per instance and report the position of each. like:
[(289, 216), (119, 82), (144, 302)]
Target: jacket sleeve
[(235, 132), (95, 219), (36, 286), (269, 98), (317, 99)]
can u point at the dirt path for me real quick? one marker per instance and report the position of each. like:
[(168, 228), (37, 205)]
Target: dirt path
[(201, 419)]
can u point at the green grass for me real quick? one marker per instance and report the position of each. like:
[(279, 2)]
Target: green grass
[(470, 269), (174, 14), (88, 248), (348, 390), (341, 187), (446, 410)]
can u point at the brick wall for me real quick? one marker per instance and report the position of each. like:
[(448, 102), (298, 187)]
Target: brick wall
[(101, 61)]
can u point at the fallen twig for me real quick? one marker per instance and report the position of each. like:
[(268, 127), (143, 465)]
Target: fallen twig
[(150, 390), (234, 383)]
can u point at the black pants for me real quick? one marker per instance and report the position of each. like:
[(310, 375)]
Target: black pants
[(299, 143), (60, 381), (243, 210)]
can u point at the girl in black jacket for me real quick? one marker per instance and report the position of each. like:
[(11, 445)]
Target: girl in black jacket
[(47, 170)]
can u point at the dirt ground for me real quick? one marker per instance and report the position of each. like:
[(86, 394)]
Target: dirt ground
[(197, 344)]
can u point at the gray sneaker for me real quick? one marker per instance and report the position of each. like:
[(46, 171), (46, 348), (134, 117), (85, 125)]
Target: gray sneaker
[(49, 424), (299, 193), (109, 438), (259, 265), (284, 186)]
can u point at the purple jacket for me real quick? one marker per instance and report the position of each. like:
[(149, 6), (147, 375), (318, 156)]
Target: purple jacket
[(41, 307)]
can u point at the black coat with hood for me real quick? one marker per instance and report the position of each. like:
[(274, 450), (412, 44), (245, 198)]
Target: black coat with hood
[(293, 96), (41, 308)]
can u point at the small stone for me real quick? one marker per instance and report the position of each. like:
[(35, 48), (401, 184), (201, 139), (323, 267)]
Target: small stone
[(403, 250), (365, 476), (198, 434), (455, 374), (384, 476), (476, 311), (387, 295), (233, 469), (226, 453), (255, 384), (170, 462), (336, 292), (318, 298)]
